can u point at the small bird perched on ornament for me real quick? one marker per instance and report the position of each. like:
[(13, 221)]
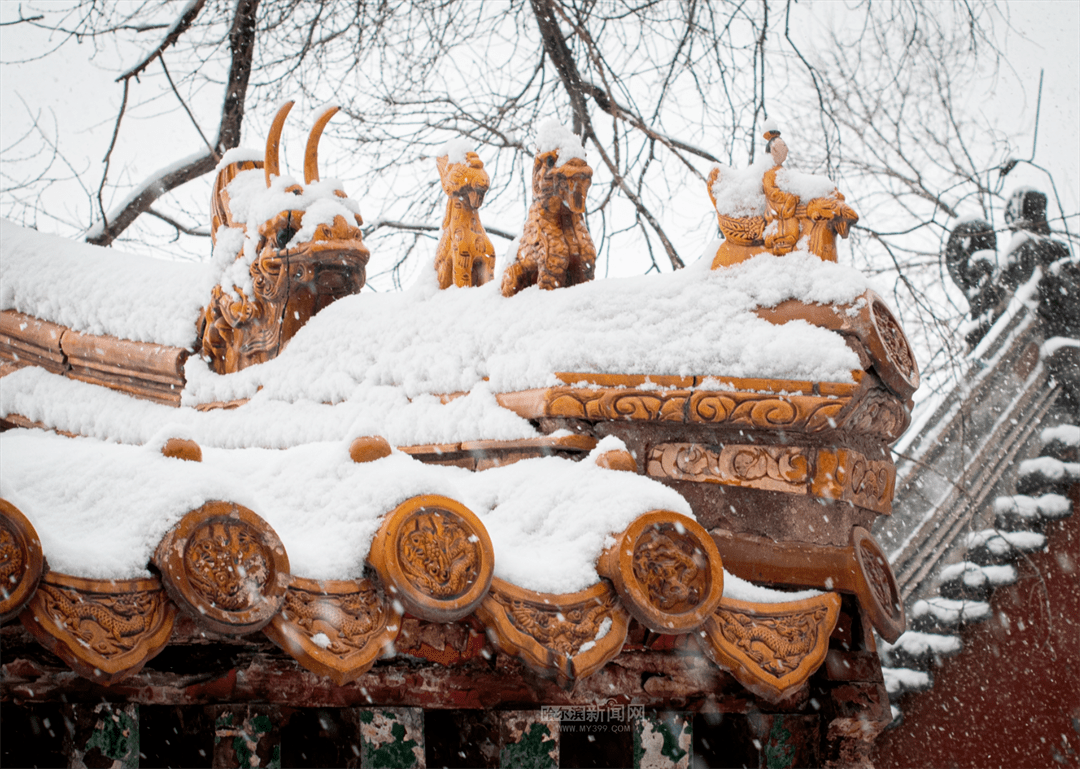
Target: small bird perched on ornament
[(775, 146)]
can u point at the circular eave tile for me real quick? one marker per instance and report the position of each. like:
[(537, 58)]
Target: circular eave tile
[(667, 570), (21, 561), (226, 567), (435, 556)]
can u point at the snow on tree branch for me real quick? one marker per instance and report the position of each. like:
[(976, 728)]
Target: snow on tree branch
[(183, 21)]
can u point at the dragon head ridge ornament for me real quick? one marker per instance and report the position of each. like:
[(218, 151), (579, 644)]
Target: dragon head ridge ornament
[(289, 249)]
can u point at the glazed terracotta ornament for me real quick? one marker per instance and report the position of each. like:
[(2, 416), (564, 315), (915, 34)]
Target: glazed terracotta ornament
[(435, 556), (870, 320), (368, 448), (21, 561), (105, 630), (225, 566), (290, 281), (555, 249), (771, 649), (335, 628), (787, 223), (182, 448), (861, 569), (667, 571), (571, 635), (617, 459), (465, 255)]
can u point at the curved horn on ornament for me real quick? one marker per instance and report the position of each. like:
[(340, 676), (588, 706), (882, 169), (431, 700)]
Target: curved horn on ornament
[(311, 155), (271, 166)]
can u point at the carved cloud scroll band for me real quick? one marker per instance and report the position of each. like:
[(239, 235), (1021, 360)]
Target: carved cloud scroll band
[(841, 474)]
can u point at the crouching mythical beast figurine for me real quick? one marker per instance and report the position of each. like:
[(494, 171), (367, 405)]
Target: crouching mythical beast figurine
[(555, 249), (307, 254), (465, 255)]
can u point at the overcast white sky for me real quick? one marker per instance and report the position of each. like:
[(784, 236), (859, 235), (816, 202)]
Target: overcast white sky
[(78, 92)]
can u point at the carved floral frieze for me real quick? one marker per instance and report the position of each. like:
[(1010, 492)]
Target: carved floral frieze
[(842, 474), (105, 630)]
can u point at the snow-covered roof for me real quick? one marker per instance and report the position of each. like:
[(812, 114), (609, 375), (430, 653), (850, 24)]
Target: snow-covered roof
[(549, 518), (101, 290), (428, 370), (375, 364)]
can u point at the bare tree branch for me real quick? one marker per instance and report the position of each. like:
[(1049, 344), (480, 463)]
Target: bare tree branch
[(21, 20), (242, 45), (420, 227), (178, 28), (200, 232)]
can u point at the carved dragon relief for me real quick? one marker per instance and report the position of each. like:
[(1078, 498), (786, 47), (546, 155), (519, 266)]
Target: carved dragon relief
[(108, 625), (289, 281), (434, 555), (563, 631), (465, 255), (12, 559), (778, 643), (439, 554), (672, 569), (787, 222), (571, 635), (666, 569), (226, 567), (336, 628), (772, 649), (555, 249), (348, 620), (106, 630)]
